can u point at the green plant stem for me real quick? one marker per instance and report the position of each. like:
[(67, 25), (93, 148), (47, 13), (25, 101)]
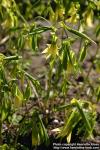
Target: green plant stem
[(13, 58)]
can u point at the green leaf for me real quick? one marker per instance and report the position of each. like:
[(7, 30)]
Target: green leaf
[(70, 124), (6, 106), (69, 55), (4, 147), (88, 126), (83, 52), (35, 135), (35, 130), (34, 42), (39, 30), (39, 133), (13, 29), (78, 112), (76, 32), (20, 42), (43, 132), (32, 79), (98, 94), (27, 92), (97, 30), (65, 58)]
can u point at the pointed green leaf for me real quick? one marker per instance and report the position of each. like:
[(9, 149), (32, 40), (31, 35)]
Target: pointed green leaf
[(82, 54), (88, 126), (76, 32), (27, 92), (65, 58), (39, 30)]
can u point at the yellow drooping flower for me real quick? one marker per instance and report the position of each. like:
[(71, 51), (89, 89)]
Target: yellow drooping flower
[(18, 98), (88, 15), (72, 13), (51, 50), (58, 14)]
